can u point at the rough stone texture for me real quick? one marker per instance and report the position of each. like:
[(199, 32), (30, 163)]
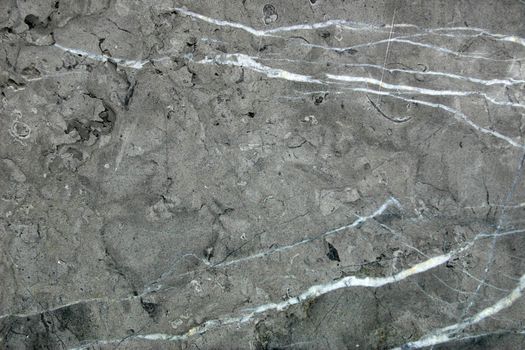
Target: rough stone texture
[(262, 174)]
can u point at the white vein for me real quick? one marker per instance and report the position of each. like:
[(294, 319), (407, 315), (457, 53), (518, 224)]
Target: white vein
[(123, 62), (249, 62), (486, 82), (501, 37), (347, 24), (418, 90), (452, 52), (447, 334), (404, 40), (440, 336), (386, 53), (391, 201), (455, 113), (245, 61), (362, 26), (476, 336), (505, 233), (55, 308), (313, 292), (388, 203), (269, 32)]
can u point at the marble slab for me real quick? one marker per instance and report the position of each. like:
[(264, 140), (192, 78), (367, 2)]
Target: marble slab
[(258, 175)]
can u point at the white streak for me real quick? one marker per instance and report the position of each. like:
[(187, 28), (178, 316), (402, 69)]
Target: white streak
[(81, 301), (242, 60), (447, 334), (386, 54), (359, 221), (421, 91), (352, 281), (260, 32), (454, 53), (135, 64), (403, 40), (506, 233), (221, 23), (351, 25), (311, 293), (356, 223), (500, 37), (245, 61), (249, 62), (412, 89), (457, 115), (486, 82)]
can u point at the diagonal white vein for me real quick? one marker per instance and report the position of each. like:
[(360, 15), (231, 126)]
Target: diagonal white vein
[(248, 62), (386, 54), (312, 292), (389, 202), (347, 24), (448, 333)]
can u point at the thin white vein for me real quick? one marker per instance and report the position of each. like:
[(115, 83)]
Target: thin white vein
[(486, 82), (500, 234), (221, 23), (362, 45), (421, 91), (269, 32), (455, 113), (135, 64), (459, 291), (447, 334), (478, 32), (351, 25), (391, 201), (311, 293), (386, 54), (403, 40), (476, 336), (241, 60), (452, 52), (356, 223), (81, 301), (249, 62), (501, 219), (501, 37), (245, 61), (483, 282), (315, 291)]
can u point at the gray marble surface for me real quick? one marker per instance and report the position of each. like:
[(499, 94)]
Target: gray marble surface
[(262, 174)]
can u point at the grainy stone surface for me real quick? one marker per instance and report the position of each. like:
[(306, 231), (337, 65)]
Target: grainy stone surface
[(262, 174)]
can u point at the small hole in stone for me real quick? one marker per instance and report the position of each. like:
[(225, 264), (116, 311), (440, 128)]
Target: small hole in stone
[(32, 21)]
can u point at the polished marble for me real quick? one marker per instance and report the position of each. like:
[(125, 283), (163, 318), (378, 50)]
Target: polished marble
[(262, 175)]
